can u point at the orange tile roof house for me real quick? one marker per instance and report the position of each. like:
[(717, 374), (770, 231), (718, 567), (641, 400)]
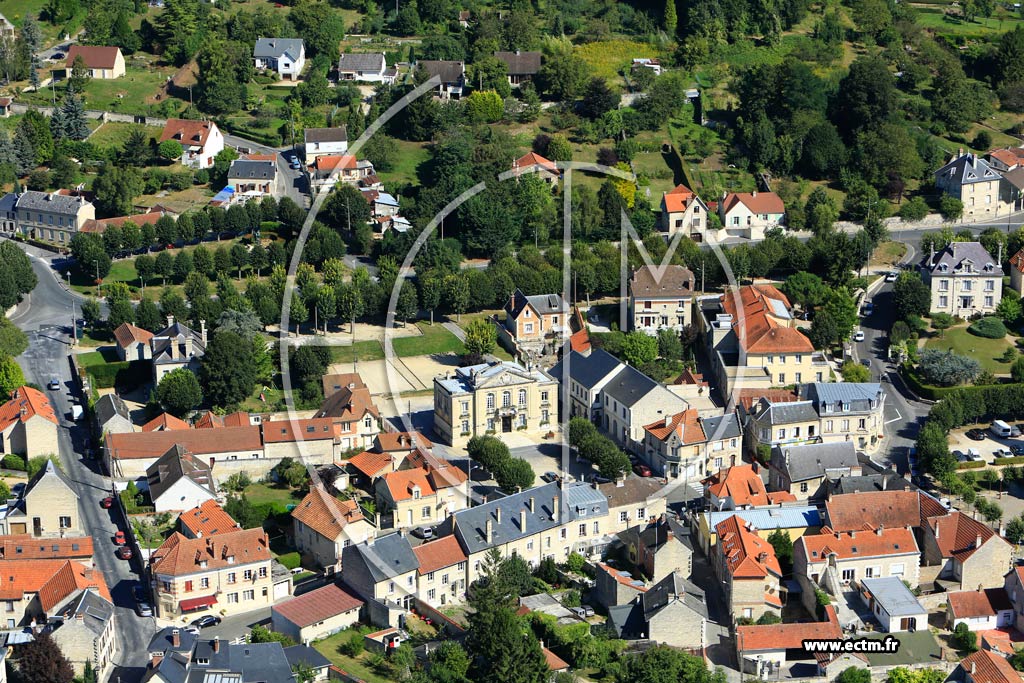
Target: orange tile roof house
[(24, 547), (982, 609), (747, 566), (351, 407), (424, 492), (99, 225), (102, 62), (687, 444), (683, 211), (872, 509), (762, 649), (227, 572), (970, 552), (750, 214), (31, 589), (985, 666), (200, 141), (442, 571), (206, 519), (1017, 271), (324, 525), (165, 422), (740, 486), (316, 614), (834, 559), (28, 424), (531, 319), (372, 464), (1006, 159), (531, 162)]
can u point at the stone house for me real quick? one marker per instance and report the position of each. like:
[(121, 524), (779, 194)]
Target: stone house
[(655, 550), (661, 298), (133, 343), (530, 320), (794, 520), (382, 572), (522, 65), (689, 446), (47, 508), (324, 525), (286, 56), (28, 424), (588, 373), (176, 346), (971, 554), (52, 216), (632, 501), (750, 214), (672, 612), (747, 566), (631, 400), (441, 576), (33, 590), (762, 651), (613, 587), (178, 480), (254, 179), (981, 188), (835, 560), (205, 520), (985, 666), (805, 471), (964, 279), (112, 415), (85, 631), (740, 486), (544, 168), (683, 211)]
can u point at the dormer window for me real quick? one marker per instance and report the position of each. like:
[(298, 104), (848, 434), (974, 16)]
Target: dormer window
[(943, 267), (231, 559)]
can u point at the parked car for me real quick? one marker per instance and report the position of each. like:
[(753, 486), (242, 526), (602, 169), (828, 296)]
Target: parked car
[(53, 384), (866, 362), (579, 612), (139, 593), (295, 165), (867, 309), (1001, 453), (424, 532), (208, 620), (858, 336), (144, 609), (549, 477), (960, 456), (975, 434), (891, 277), (107, 502), (642, 470), (119, 538), (124, 552), (1017, 450)]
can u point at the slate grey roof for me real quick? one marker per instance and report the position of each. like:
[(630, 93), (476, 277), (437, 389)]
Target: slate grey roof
[(247, 169), (544, 304), (954, 256), (789, 412), (252, 662), (887, 481), (176, 463), (387, 557), (520, 63), (161, 642), (49, 201), (449, 72), (275, 48), (722, 427), (967, 169), (304, 654), (109, 406), (587, 370), (470, 525), (467, 379), (584, 500), (629, 386), (675, 281), (859, 396), (339, 134), (812, 461), (96, 610), (176, 333), (7, 202), (660, 595), (894, 596), (361, 62), (626, 620)]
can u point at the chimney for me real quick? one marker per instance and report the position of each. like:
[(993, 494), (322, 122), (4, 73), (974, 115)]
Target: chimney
[(170, 320), (175, 638), (522, 521), (531, 504), (754, 193), (216, 644), (937, 527), (555, 512), (202, 331), (977, 541), (974, 667), (885, 482), (497, 514), (489, 530), (188, 346), (80, 616), (879, 530), (853, 534)]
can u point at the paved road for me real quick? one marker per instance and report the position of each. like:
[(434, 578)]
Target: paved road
[(295, 183), (46, 318)]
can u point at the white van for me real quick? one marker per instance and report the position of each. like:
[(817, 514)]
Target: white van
[(1001, 429)]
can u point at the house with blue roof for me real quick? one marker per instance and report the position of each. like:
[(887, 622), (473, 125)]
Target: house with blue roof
[(795, 520)]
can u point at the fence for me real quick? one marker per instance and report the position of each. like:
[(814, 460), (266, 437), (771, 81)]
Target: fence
[(444, 622), (337, 674), (106, 116)]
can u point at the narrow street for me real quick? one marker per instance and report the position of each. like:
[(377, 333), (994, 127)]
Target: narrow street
[(46, 317)]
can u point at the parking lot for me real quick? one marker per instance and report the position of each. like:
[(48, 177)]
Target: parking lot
[(988, 446)]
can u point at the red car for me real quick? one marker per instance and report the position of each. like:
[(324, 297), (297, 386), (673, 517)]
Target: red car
[(119, 538), (124, 552), (642, 470), (107, 502)]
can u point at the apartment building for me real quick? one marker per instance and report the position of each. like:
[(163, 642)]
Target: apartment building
[(51, 216), (688, 446), (976, 183), (588, 373), (836, 559)]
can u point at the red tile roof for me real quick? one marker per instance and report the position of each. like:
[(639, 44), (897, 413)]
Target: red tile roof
[(325, 514), (348, 405), (677, 199), (318, 605), (756, 202), (310, 429), (402, 483), (1011, 156), (872, 509), (555, 663), (332, 162), (179, 555), (142, 445), (25, 404), (957, 535), (532, 159), (980, 603), (165, 422), (209, 421), (747, 555), (744, 486), (748, 398), (685, 424), (99, 225), (857, 544), (52, 580), (442, 474), (127, 334), (619, 577), (207, 519), (94, 56), (765, 334), (387, 442), (25, 547), (337, 382), (1017, 261), (434, 555), (984, 666), (371, 464), (787, 636), (190, 133)]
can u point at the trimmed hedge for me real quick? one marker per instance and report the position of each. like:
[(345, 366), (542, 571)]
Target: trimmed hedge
[(1016, 460), (970, 465), (989, 328), (929, 392), (121, 374)]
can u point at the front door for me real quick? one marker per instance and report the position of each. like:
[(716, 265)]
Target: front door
[(506, 424), (37, 526), (908, 624)]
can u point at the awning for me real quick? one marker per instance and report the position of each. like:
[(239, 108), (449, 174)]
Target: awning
[(197, 603)]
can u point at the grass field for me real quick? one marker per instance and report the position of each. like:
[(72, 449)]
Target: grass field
[(607, 58), (933, 17), (356, 666), (116, 134), (436, 339), (127, 94), (277, 495), (888, 253), (985, 351), (411, 155)]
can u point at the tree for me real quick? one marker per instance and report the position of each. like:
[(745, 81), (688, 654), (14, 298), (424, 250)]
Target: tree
[(1017, 370), (942, 322), (481, 337), (163, 264), (221, 88), (320, 26), (783, 546), (855, 372), (147, 316), (854, 674), (911, 296), (805, 289), (179, 391), (951, 208), (639, 348), (947, 368), (11, 376), (670, 18), (484, 106), (121, 311), (80, 75), (14, 342), (72, 118), (407, 307), (41, 661), (90, 256), (169, 149), (598, 99), (228, 373), (514, 474), (964, 639), (1009, 310), (116, 188)]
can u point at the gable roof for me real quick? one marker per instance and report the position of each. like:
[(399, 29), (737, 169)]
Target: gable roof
[(93, 56), (957, 254), (52, 580), (587, 370), (188, 133), (25, 547), (109, 406), (49, 471), (872, 509), (787, 636), (629, 386), (756, 202), (325, 514), (531, 159), (362, 62), (336, 382), (371, 463), (630, 490), (747, 555), (812, 461), (384, 558), (176, 464), (54, 202), (318, 605), (127, 334), (207, 519), (672, 588), (691, 428), (985, 666), (544, 304), (985, 602), (348, 404), (402, 483), (25, 404), (438, 554), (338, 134), (180, 555), (675, 281), (845, 545), (520, 63), (744, 486), (850, 397), (678, 199), (1010, 156), (957, 535), (165, 422), (99, 225), (548, 506), (198, 442), (94, 609), (248, 169), (275, 48), (389, 442), (763, 306), (1017, 261), (448, 71)]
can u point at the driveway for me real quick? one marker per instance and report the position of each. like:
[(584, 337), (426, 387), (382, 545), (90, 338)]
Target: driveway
[(295, 183)]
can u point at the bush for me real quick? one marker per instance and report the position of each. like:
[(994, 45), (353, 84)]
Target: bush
[(964, 638), (575, 563), (989, 328), (13, 462), (914, 210), (353, 647)]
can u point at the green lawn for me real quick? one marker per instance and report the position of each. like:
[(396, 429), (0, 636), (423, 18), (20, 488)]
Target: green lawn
[(356, 666), (934, 18), (107, 354), (361, 350), (436, 339), (407, 163), (115, 134), (915, 648), (129, 94), (607, 58), (277, 495), (985, 351)]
